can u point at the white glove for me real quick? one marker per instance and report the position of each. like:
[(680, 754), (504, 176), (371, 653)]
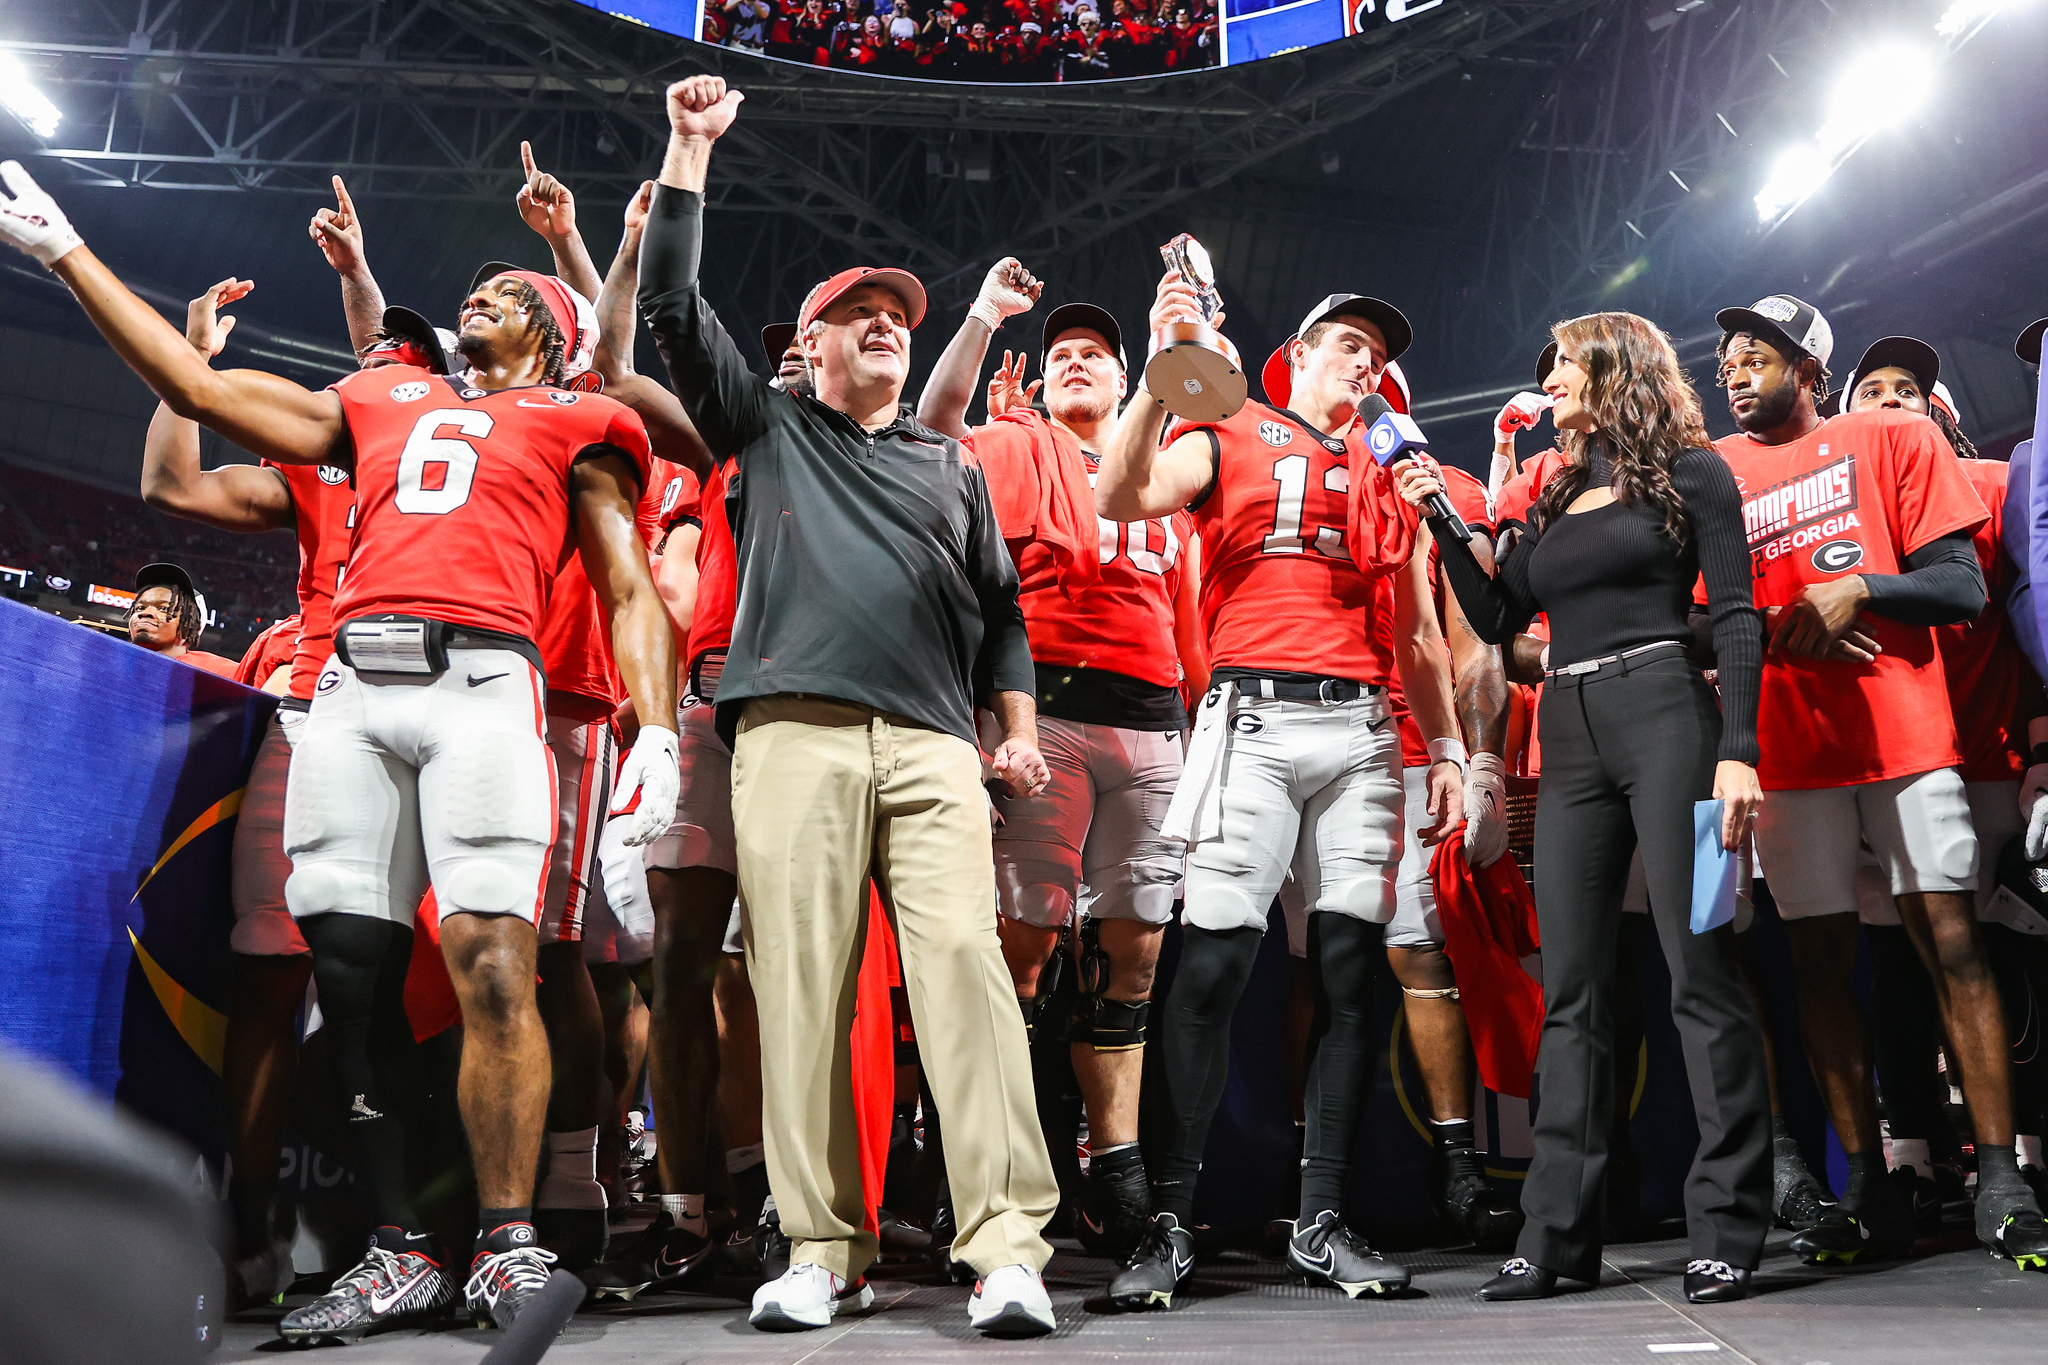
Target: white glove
[(624, 874), (1525, 409), (30, 219), (1006, 291), (1486, 810), (649, 781), (2034, 791)]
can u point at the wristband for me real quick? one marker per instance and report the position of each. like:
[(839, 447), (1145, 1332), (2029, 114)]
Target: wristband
[(987, 314), (1449, 751)]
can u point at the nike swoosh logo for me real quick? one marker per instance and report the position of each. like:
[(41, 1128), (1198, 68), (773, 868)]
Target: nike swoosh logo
[(663, 1263), (380, 1302), (475, 681), (1181, 1265), (524, 404), (1325, 1262), (1377, 725)]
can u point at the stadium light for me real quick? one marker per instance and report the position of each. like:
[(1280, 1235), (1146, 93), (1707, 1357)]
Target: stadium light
[(1880, 88), (1964, 16), (24, 101)]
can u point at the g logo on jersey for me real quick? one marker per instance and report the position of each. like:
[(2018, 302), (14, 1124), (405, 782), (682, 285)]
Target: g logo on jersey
[(1275, 433), (1838, 556), (330, 475), (410, 391), (565, 399)]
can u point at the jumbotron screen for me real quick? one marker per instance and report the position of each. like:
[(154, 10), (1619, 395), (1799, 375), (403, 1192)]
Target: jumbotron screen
[(1016, 40)]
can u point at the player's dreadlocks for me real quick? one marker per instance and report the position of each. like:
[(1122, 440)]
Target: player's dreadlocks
[(185, 611), (1961, 444), (554, 345), (1784, 347)]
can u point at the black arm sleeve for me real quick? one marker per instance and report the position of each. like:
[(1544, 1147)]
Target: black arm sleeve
[(1004, 661), (1714, 507), (1943, 584), (1498, 606), (726, 401)]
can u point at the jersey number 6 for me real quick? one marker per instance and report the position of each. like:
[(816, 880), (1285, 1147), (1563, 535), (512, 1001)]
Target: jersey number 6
[(435, 471)]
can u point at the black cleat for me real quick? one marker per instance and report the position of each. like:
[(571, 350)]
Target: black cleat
[(1116, 1207), (774, 1243), (940, 1254), (1466, 1200), (502, 1282), (1327, 1252), (661, 1258), (2009, 1221), (901, 1239), (385, 1290), (1921, 1195), (578, 1237), (1155, 1270), (1872, 1223), (1798, 1199)]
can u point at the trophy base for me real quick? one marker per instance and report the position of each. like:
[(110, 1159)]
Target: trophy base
[(1194, 376)]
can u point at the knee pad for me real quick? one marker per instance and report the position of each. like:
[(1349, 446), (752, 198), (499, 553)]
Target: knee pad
[(320, 888), (482, 885), (1111, 1025)]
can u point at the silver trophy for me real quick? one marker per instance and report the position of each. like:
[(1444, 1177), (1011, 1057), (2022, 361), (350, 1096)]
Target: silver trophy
[(1191, 367)]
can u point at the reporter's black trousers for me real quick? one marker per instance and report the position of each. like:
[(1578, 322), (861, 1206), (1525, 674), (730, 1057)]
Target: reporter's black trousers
[(1626, 752)]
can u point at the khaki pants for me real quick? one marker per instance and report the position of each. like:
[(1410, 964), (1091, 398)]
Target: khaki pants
[(823, 793)]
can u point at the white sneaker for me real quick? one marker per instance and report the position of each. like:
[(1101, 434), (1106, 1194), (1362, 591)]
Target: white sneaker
[(1011, 1302), (807, 1296)]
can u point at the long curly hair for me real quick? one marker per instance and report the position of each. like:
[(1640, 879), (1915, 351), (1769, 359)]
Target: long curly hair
[(1644, 411), (554, 344)]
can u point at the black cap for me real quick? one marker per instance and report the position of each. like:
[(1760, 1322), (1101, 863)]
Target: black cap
[(1546, 362), (2028, 345), (775, 339), (1069, 316), (1391, 321), (161, 575), (1794, 321), (413, 327), (1910, 354)]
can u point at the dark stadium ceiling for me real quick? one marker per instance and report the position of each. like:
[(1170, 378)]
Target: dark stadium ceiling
[(1491, 167)]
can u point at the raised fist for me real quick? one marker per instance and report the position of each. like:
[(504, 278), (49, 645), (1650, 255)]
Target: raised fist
[(701, 107)]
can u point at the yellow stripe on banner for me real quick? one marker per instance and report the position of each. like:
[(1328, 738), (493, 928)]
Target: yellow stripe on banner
[(204, 1028), (208, 818)]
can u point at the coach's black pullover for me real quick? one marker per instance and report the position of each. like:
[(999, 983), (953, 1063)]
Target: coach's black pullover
[(871, 569)]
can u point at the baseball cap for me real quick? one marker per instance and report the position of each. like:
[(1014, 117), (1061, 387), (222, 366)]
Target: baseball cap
[(903, 282), (574, 314), (1278, 377), (169, 575), (1545, 363), (1791, 320), (436, 344), (1393, 387), (1068, 316), (2028, 345), (775, 339), (1910, 354)]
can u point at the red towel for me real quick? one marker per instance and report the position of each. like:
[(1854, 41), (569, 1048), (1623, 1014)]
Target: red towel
[(1489, 921), (1038, 481), (1382, 525), (430, 1002), (874, 1055)]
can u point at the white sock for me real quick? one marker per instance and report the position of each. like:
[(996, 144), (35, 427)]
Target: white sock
[(687, 1210), (1909, 1152), (571, 1179), (2027, 1146)]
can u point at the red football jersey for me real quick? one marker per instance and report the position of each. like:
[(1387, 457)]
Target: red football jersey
[(323, 504), (268, 652), (1468, 496), (1519, 494), (1984, 668), (462, 496), (1856, 495), (1122, 622), (718, 570), (671, 496), (1280, 592)]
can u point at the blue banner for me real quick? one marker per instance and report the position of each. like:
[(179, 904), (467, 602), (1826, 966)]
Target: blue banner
[(122, 773)]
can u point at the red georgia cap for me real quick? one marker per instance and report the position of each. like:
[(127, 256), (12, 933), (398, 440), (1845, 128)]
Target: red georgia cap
[(903, 282)]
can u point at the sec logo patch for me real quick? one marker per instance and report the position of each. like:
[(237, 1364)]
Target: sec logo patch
[(1838, 556), (330, 475), (1247, 723), (410, 391), (1275, 433)]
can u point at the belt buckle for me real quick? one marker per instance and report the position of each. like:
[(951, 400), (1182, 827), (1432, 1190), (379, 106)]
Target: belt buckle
[(1326, 690), (1581, 667)]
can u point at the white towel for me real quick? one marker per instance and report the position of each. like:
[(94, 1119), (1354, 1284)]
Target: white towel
[(1196, 812)]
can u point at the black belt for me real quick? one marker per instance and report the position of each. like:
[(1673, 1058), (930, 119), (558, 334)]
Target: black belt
[(1588, 669), (445, 635), (1295, 687)]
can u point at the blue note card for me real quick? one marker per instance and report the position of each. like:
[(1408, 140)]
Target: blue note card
[(1713, 870)]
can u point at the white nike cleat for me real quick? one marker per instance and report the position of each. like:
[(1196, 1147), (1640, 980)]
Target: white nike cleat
[(807, 1296), (1011, 1302)]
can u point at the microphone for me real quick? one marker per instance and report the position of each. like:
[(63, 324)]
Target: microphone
[(1394, 437)]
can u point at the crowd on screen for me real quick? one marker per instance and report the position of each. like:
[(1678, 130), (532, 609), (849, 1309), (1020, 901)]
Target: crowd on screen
[(976, 40)]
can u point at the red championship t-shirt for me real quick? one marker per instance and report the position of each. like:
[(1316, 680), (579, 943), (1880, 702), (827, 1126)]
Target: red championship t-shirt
[(323, 504), (1280, 592), (718, 571), (1984, 668), (462, 495), (1468, 496), (1857, 495)]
